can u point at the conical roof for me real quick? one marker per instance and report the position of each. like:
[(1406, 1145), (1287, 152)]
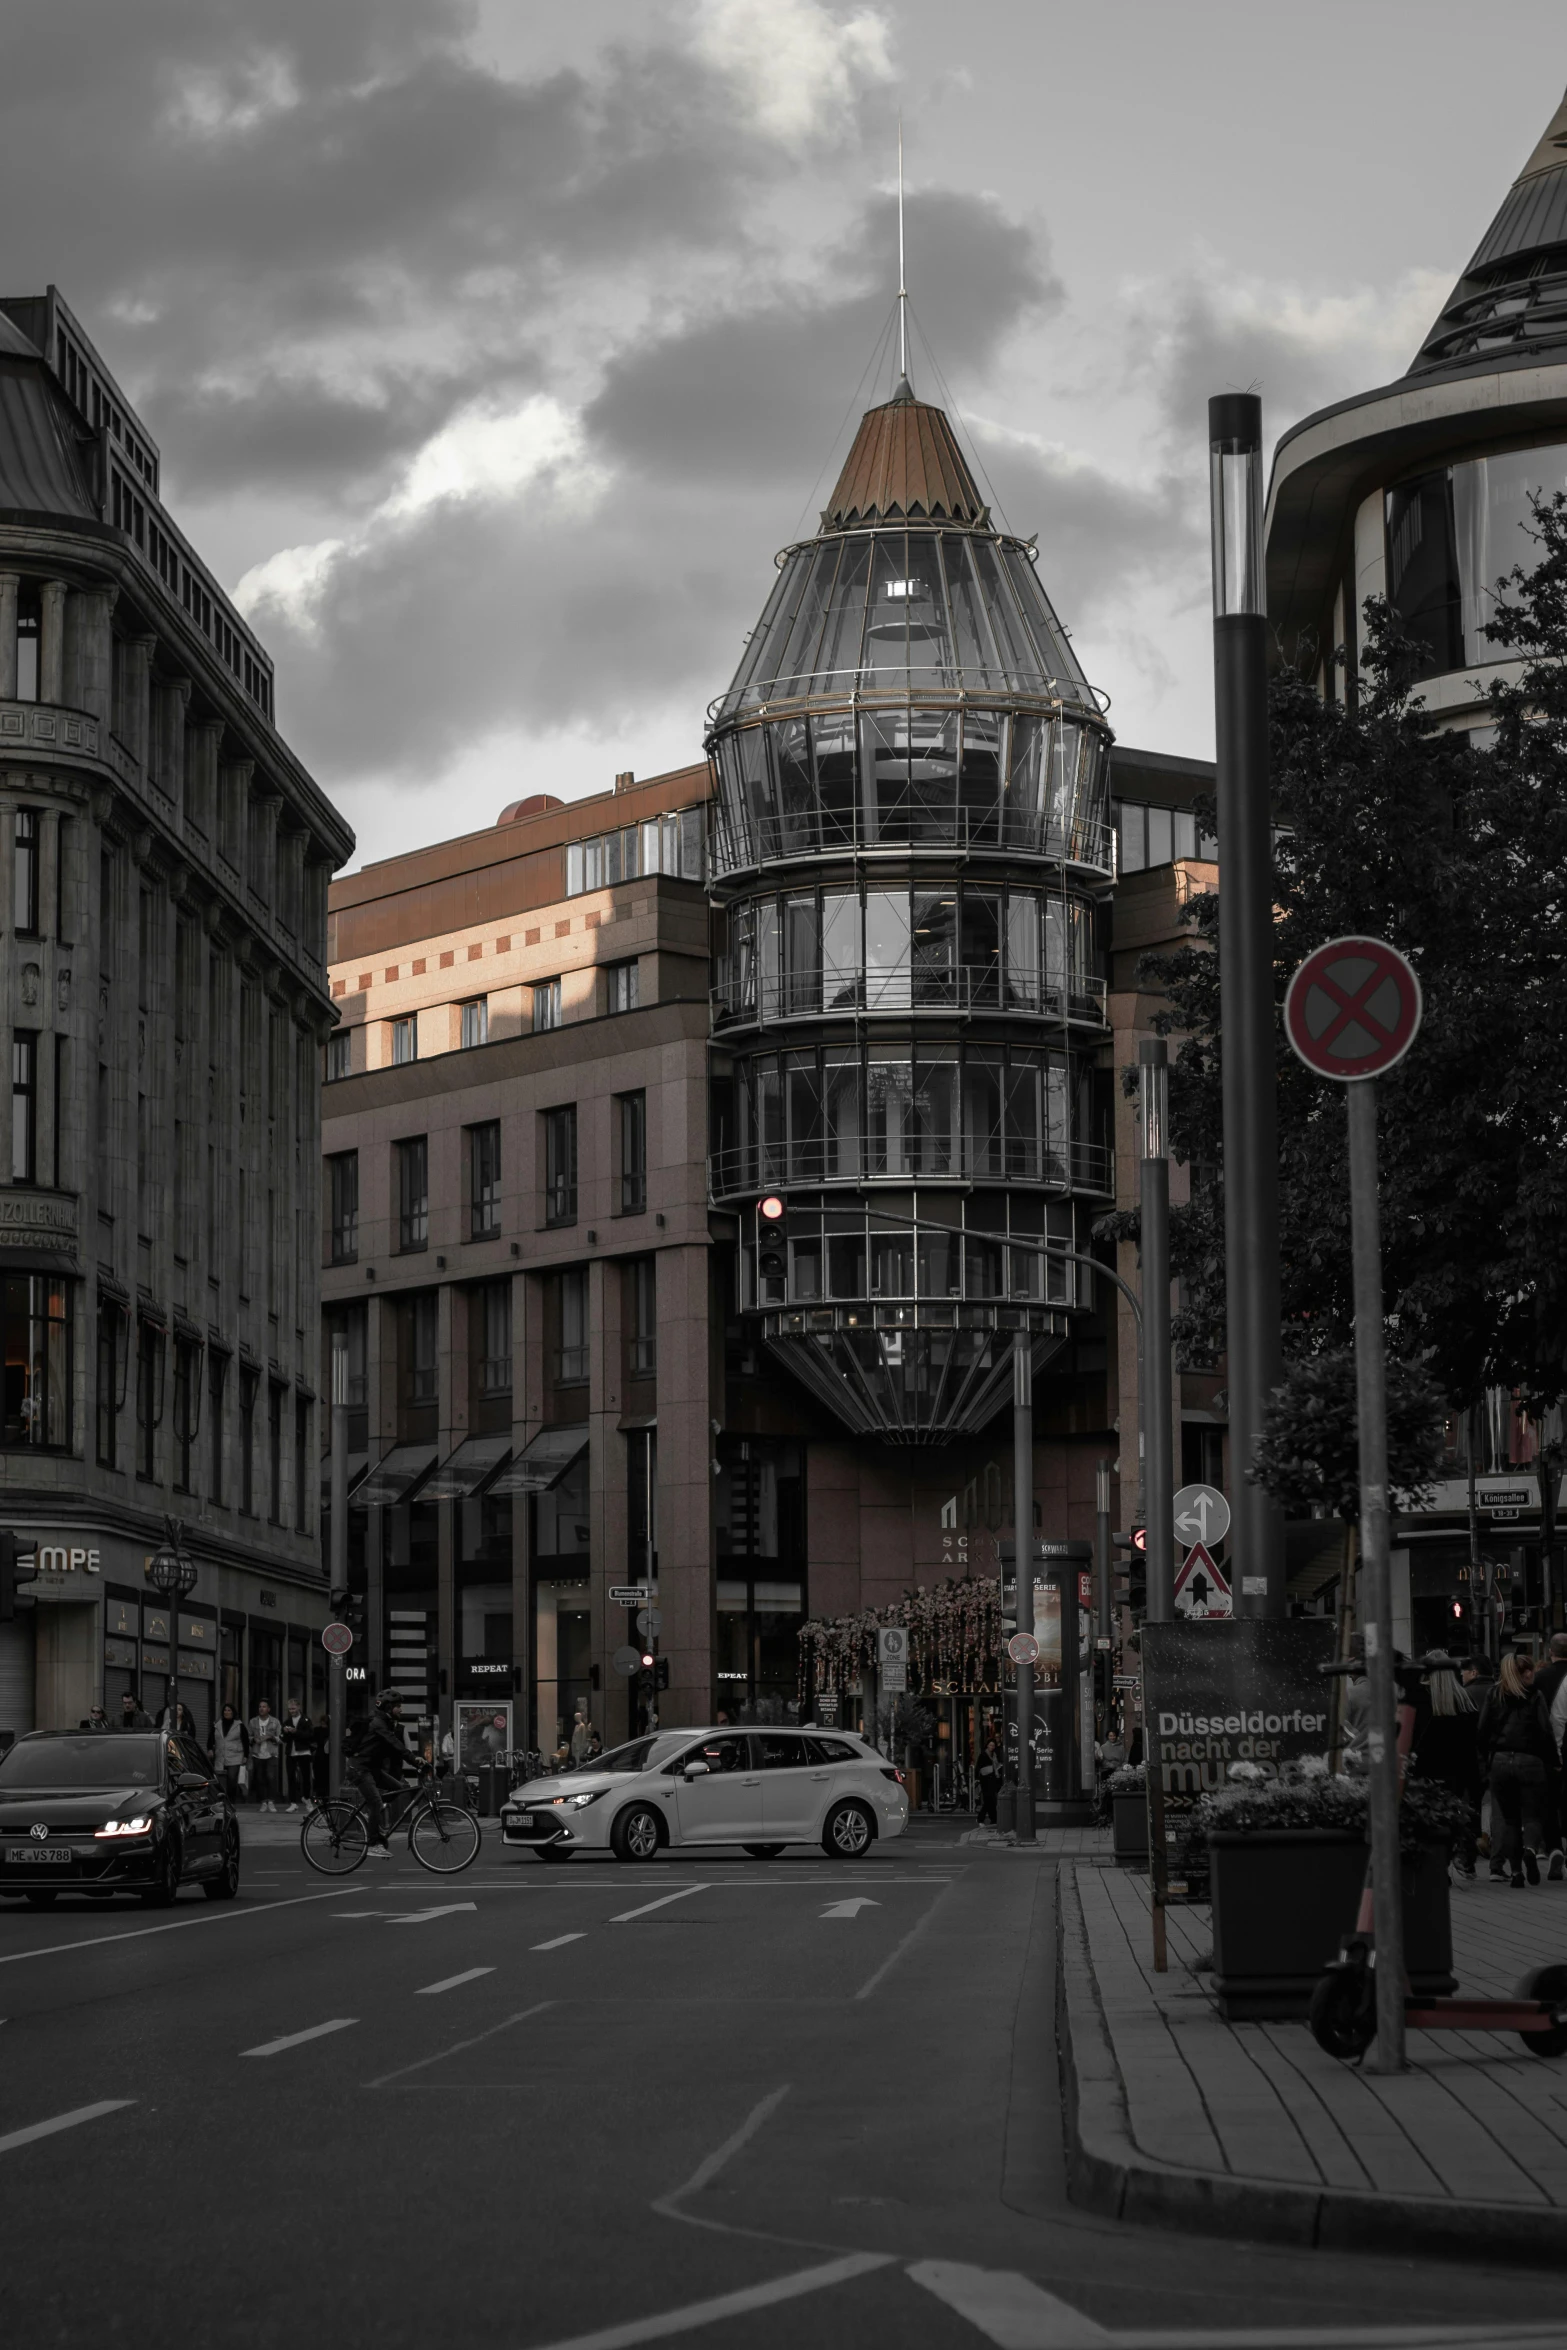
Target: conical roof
[(1511, 301), (905, 466)]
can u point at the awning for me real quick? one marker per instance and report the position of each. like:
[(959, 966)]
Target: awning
[(463, 1472), (358, 1462), (395, 1475), (545, 1461)]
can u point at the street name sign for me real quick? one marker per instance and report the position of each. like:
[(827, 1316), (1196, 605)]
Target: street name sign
[(1202, 1590), (1201, 1515), (631, 1594), (336, 1639), (1353, 1008)]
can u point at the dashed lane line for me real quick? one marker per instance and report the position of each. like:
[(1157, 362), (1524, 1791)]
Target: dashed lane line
[(63, 2121), (559, 1942), (452, 1982), (339, 2023), (458, 2046), (726, 2305), (624, 1917)]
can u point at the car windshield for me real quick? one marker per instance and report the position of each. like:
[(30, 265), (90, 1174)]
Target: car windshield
[(98, 1760), (643, 1754)]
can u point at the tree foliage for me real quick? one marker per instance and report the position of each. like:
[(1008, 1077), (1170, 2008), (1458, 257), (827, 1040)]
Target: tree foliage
[(1396, 827), (1308, 1455)]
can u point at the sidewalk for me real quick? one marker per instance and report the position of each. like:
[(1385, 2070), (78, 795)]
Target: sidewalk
[(1176, 2118)]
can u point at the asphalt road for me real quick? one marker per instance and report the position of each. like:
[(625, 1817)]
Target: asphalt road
[(723, 2102)]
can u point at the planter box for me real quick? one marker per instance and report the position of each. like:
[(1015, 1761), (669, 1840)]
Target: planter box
[(1283, 1901), (1129, 1826)]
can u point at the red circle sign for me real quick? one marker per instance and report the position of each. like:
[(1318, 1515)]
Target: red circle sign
[(1353, 1008), (336, 1639)]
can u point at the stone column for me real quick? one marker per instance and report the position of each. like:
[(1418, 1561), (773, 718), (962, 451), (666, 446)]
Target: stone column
[(135, 714), (10, 586), (171, 700), (261, 870), (203, 742), (89, 645), (233, 805), (51, 641)]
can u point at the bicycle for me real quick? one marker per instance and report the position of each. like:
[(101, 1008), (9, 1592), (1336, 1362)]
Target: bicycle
[(442, 1837)]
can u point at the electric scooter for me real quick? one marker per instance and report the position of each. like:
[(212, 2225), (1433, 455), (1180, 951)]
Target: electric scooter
[(1343, 2012)]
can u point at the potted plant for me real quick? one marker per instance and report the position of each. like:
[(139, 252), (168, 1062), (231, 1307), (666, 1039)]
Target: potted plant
[(1288, 1861), (1126, 1792)]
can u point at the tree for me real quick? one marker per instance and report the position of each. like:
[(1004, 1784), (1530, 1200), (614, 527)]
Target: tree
[(1308, 1455), (1394, 826)]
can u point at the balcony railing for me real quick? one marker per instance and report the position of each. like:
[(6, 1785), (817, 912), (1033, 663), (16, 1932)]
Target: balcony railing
[(964, 988), (741, 842), (742, 1172)]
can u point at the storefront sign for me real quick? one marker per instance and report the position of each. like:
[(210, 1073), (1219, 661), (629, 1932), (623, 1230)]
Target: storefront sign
[(26, 1221), (198, 1632), (155, 1623), (154, 1660), (58, 1558), (122, 1616), (195, 1667), (121, 1654)]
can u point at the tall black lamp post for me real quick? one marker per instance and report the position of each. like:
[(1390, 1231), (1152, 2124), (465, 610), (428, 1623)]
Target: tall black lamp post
[(173, 1574), (1247, 1014)]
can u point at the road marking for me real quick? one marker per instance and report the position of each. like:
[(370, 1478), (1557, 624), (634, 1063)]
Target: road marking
[(458, 2046), (850, 1909), (911, 1937), (626, 1915), (708, 2313), (428, 1990), (209, 1915), (63, 2121), (422, 1917), (1008, 2309), (708, 2169), (559, 1942), (339, 2023)]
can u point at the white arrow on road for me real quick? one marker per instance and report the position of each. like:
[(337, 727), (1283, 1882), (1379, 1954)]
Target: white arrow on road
[(849, 1909)]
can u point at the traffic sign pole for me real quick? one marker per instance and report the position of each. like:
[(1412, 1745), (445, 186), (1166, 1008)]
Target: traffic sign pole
[(337, 1669), (1153, 1087)]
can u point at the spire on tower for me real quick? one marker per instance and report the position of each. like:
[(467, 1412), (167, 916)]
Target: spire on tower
[(905, 390)]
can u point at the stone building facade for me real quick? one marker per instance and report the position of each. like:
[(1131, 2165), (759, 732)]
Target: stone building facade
[(164, 862)]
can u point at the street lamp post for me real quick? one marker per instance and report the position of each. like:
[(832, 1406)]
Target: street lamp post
[(1023, 1547), (173, 1574), (1247, 1015), (1157, 1407)]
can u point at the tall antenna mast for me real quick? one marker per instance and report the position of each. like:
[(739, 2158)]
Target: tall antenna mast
[(903, 291)]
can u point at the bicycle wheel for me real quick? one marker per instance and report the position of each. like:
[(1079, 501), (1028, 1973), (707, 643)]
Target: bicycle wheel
[(444, 1837), (334, 1838)]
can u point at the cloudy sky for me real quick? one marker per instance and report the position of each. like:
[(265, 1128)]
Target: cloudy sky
[(494, 346)]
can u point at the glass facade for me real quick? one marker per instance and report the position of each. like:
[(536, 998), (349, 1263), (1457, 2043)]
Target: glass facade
[(1451, 536)]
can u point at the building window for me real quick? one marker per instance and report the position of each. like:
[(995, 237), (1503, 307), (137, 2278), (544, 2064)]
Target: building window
[(489, 1334), (484, 1180), (413, 1193), (661, 844), (217, 1377), (354, 1323), (418, 1386), (24, 896), (625, 986), (301, 1464), (339, 1055), (27, 612), (572, 1361), (187, 1408), (343, 1194), (641, 1305), (405, 1041), (631, 1120), (111, 1333), (546, 1004), (560, 1165), (37, 1362), (475, 1022), (24, 1106), (249, 1388), (275, 1454), (149, 1397)]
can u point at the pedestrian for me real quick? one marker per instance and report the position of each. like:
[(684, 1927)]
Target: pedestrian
[(987, 1776), (1476, 1676), (266, 1749), (132, 1716), (231, 1752), (581, 1736), (97, 1719), (1514, 1740), (298, 1747), (1445, 1752), (1551, 1682)]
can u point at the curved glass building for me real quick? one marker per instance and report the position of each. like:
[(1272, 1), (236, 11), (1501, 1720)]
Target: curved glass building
[(911, 834)]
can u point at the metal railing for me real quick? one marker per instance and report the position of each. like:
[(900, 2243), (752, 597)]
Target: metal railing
[(961, 988), (816, 1164), (741, 841)]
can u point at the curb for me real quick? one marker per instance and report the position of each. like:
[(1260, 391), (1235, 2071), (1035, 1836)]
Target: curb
[(1108, 2173)]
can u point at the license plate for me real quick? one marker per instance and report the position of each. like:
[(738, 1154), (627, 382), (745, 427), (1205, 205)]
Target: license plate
[(60, 1857)]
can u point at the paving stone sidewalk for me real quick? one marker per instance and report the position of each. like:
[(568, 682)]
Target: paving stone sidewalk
[(1178, 2117)]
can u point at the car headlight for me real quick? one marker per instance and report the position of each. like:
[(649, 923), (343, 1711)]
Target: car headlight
[(575, 1802), (136, 1827)]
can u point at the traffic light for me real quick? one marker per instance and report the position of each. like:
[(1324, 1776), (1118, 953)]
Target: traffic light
[(12, 1572), (661, 1673), (349, 1608), (1135, 1545), (772, 1255)]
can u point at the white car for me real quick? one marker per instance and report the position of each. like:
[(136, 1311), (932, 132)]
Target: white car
[(761, 1789)]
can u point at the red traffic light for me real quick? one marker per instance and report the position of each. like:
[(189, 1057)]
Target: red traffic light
[(647, 1660), (1139, 1538), (771, 1209)]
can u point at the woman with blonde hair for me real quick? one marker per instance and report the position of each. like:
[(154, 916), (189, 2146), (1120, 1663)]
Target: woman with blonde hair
[(1514, 1740)]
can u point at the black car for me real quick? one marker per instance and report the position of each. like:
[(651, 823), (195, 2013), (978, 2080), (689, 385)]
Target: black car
[(118, 1811)]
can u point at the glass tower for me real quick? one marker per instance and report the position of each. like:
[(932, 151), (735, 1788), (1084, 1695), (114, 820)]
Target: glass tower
[(911, 834)]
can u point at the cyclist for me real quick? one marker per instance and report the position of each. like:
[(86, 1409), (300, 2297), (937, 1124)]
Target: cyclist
[(375, 1762)]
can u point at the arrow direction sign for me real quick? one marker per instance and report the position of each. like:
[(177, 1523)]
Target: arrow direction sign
[(849, 1909), (1201, 1515), (1201, 1588)]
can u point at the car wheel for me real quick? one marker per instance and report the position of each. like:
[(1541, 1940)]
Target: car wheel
[(849, 1833), (637, 1834), (160, 1893), (41, 1900), (762, 1851), (225, 1884)]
